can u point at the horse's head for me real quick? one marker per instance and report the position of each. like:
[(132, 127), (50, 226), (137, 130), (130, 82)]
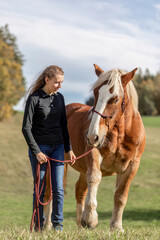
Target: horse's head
[(109, 103)]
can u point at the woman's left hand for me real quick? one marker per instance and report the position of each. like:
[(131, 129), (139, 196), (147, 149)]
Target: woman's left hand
[(72, 156)]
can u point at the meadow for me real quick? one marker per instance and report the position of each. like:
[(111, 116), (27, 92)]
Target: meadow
[(141, 218)]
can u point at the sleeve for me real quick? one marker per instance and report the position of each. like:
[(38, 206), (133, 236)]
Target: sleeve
[(67, 144), (27, 125)]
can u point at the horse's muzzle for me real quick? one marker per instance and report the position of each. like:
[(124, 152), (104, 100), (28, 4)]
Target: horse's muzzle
[(95, 141)]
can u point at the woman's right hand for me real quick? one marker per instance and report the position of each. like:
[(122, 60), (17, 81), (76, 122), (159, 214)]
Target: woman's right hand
[(41, 157)]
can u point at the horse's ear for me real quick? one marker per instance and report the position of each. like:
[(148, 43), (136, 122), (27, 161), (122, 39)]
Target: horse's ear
[(98, 70), (127, 77)]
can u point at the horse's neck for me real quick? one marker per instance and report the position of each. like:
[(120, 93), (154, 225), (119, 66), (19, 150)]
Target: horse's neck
[(126, 121)]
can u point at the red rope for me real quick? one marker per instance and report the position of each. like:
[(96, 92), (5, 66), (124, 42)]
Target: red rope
[(38, 192), (71, 160)]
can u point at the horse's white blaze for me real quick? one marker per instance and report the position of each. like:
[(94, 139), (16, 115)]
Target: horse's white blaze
[(104, 96)]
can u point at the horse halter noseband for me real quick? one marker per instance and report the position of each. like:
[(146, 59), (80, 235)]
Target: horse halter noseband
[(110, 116)]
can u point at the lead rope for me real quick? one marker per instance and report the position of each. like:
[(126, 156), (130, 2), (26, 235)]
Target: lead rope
[(35, 217)]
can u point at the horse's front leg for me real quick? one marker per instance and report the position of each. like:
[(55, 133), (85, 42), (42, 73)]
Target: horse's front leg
[(121, 195), (81, 191), (89, 215)]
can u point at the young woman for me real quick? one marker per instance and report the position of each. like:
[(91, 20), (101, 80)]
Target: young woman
[(45, 131)]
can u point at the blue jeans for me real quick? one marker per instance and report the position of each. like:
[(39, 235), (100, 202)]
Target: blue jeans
[(57, 171)]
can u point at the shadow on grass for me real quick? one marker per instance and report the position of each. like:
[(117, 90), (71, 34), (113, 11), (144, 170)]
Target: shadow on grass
[(135, 215), (130, 215), (145, 215)]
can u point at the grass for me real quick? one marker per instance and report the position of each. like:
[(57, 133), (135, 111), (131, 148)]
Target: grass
[(147, 233), (141, 218), (150, 121)]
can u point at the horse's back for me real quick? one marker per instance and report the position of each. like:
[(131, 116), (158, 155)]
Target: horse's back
[(73, 107)]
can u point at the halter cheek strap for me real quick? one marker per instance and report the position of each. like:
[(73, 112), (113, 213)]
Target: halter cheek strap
[(103, 116), (123, 103), (110, 116)]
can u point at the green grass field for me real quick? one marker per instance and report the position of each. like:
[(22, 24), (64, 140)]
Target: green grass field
[(141, 215)]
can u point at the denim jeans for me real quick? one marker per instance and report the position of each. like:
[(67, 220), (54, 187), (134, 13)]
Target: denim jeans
[(57, 170)]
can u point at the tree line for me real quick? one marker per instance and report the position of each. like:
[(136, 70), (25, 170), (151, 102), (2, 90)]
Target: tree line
[(12, 81), (148, 90)]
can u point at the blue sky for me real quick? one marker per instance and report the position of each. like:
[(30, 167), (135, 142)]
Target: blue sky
[(76, 34)]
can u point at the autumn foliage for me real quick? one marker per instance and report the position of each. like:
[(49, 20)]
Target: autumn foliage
[(12, 84)]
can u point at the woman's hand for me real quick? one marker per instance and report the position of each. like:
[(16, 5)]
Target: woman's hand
[(41, 157), (72, 156)]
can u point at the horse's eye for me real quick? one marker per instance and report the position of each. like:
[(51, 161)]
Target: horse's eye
[(116, 100)]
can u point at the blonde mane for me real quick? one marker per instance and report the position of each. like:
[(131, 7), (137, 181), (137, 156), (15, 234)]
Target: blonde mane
[(113, 78)]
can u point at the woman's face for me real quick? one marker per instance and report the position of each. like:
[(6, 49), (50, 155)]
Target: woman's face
[(53, 84)]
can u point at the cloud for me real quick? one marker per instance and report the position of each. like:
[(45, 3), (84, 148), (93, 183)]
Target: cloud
[(77, 44), (157, 6), (76, 34), (112, 8)]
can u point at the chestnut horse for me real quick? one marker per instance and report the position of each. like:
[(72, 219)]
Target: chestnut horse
[(113, 126)]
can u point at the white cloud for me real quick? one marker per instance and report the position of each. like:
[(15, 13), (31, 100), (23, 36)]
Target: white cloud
[(157, 6), (75, 43), (80, 34)]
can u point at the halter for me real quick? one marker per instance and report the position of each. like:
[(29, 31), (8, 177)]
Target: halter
[(110, 116)]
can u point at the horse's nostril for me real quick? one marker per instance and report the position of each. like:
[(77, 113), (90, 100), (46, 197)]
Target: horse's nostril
[(96, 139)]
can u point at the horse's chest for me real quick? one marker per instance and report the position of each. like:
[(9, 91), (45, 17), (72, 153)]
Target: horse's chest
[(117, 154), (115, 160), (107, 162)]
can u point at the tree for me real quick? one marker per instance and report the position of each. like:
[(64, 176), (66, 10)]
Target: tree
[(145, 86), (90, 101), (12, 82), (157, 92)]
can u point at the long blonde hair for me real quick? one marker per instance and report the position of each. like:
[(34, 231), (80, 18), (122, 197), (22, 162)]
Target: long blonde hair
[(49, 72)]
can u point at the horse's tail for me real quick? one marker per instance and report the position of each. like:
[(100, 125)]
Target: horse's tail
[(65, 177)]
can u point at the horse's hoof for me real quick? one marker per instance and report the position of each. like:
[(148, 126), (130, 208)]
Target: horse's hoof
[(87, 225), (116, 230), (48, 227), (84, 224)]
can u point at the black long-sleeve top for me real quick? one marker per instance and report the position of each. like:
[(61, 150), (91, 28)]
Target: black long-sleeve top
[(45, 121)]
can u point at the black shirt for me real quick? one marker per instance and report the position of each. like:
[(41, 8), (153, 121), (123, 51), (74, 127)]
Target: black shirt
[(45, 121)]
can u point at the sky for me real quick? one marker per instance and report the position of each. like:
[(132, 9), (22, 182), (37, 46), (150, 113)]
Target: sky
[(75, 34)]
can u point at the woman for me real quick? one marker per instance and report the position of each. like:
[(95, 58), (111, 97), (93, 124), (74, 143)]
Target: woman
[(45, 131)]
